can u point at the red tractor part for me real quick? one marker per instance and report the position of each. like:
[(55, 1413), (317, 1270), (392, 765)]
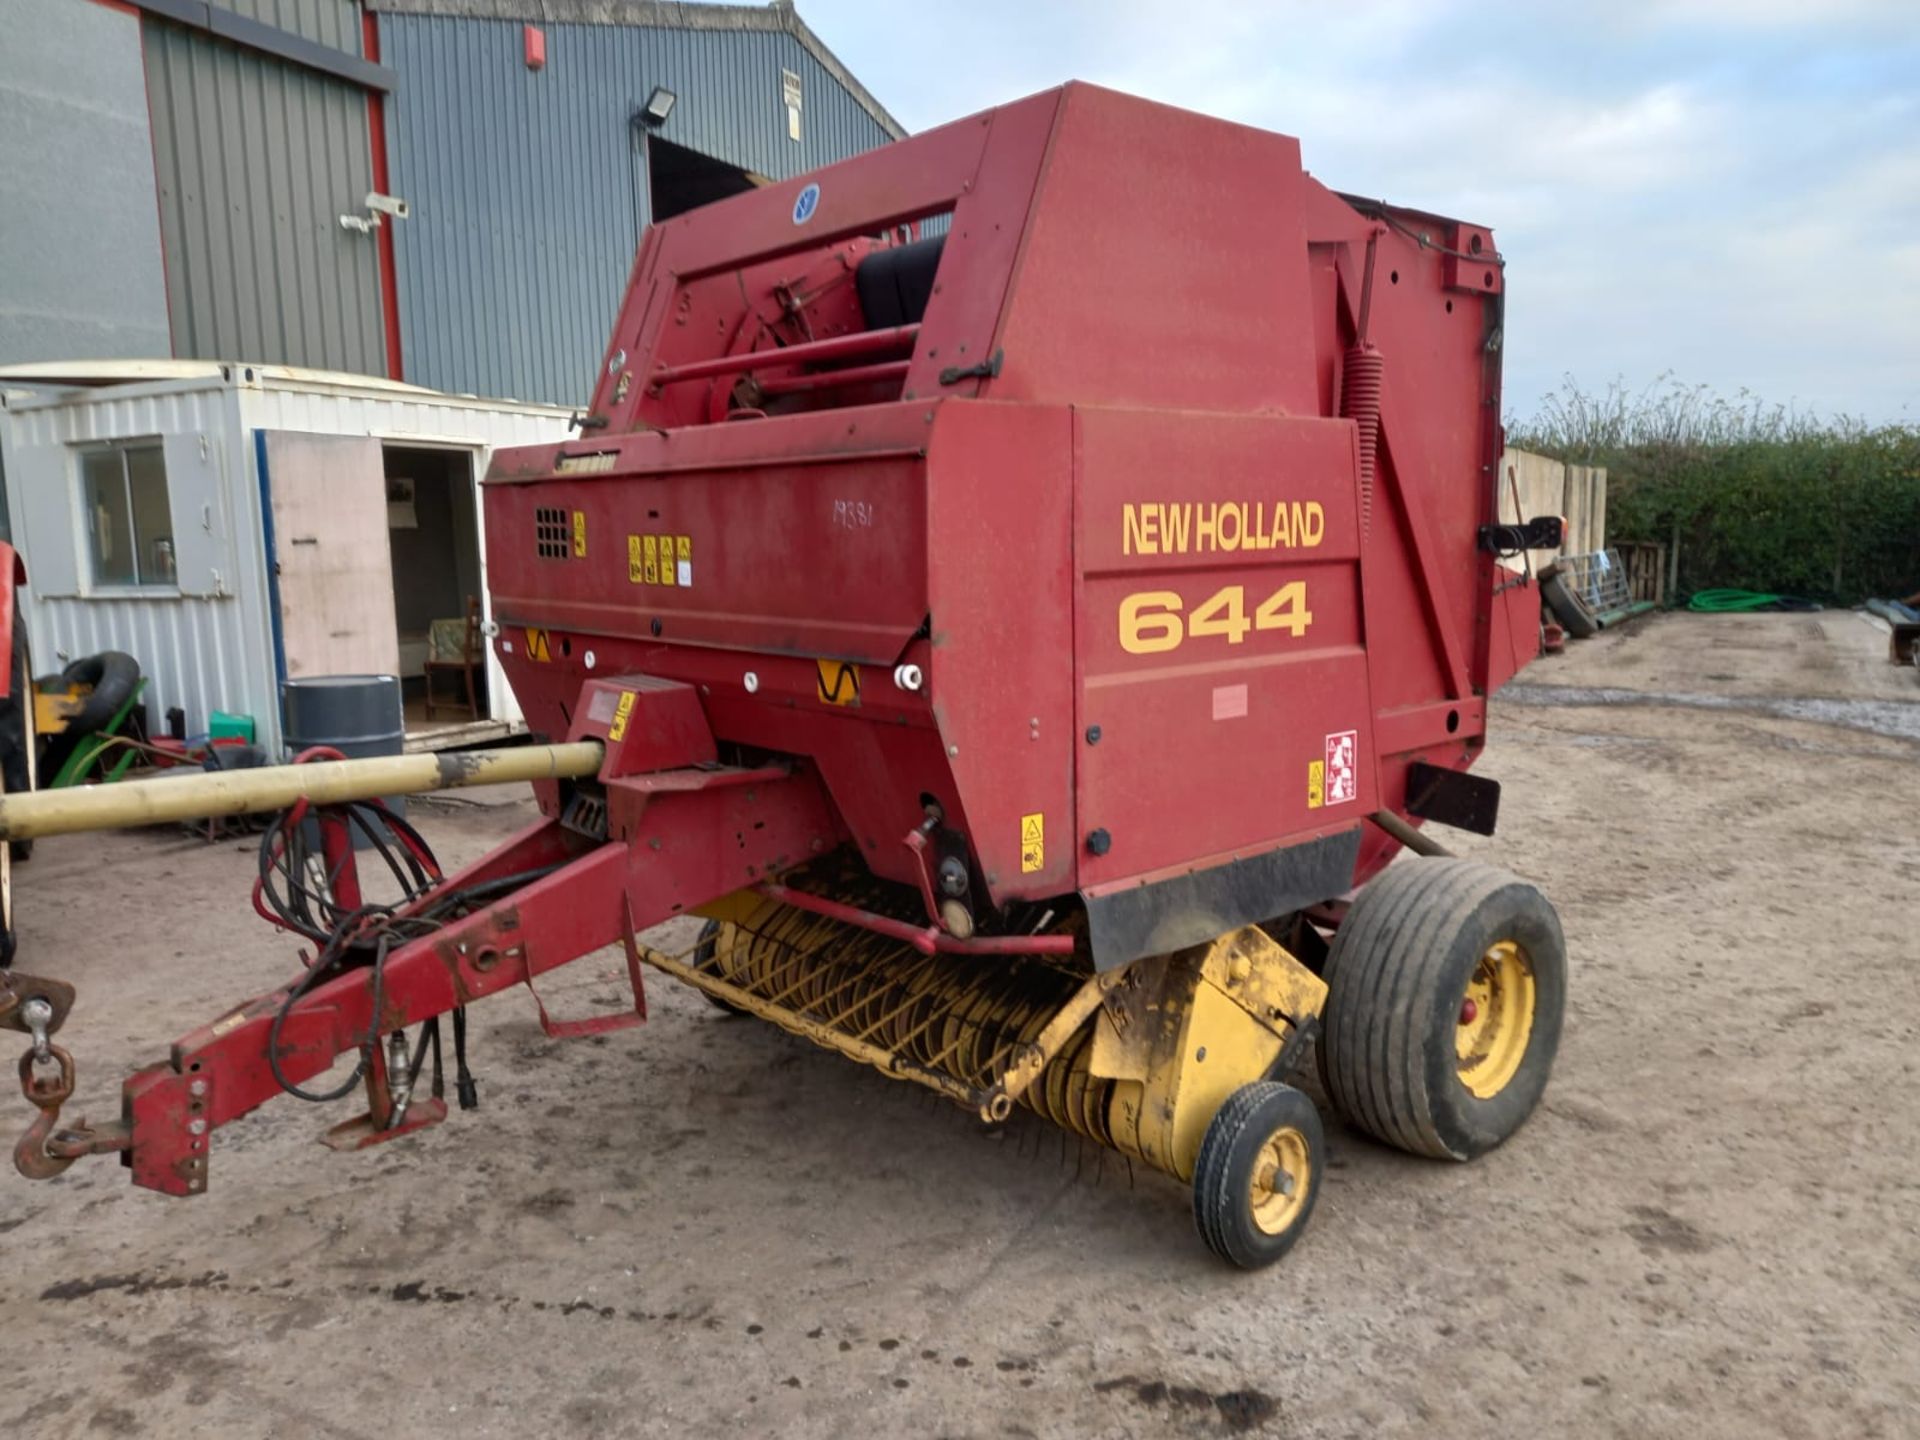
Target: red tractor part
[(1018, 596)]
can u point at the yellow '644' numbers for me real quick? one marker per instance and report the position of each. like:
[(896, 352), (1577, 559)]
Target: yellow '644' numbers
[(1153, 621)]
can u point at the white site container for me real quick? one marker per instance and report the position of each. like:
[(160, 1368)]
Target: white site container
[(275, 559)]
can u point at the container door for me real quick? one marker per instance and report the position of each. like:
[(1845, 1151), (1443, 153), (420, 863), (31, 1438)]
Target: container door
[(502, 703), (327, 549)]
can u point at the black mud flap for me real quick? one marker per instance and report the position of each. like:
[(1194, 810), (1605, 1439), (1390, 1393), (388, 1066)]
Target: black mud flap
[(1125, 924), (1453, 797)]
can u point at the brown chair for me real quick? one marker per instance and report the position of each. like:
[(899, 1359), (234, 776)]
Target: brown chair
[(454, 645)]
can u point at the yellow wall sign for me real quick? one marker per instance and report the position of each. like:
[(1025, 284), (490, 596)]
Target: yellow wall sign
[(622, 714), (839, 682), (1033, 843), (579, 534)]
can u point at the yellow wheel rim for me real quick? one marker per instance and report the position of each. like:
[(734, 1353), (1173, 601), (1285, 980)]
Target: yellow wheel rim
[(1281, 1175), (1496, 1020)]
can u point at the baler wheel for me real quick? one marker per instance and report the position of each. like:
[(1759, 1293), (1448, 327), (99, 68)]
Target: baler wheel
[(1257, 1175), (1446, 988)]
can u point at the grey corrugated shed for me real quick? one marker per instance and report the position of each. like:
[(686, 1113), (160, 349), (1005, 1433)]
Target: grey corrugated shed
[(256, 160), (80, 247), (527, 188)]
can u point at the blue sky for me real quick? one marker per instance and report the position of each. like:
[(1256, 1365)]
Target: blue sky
[(1723, 190)]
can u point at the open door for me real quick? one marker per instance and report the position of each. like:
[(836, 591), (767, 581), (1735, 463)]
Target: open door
[(327, 549)]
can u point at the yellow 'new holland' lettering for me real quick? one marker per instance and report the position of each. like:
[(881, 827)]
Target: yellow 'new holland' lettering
[(1183, 527)]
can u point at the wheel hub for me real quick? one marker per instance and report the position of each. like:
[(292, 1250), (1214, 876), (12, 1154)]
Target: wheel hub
[(1280, 1174), (1496, 1019)]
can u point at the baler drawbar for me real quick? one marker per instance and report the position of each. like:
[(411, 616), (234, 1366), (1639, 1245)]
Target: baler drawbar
[(1019, 588)]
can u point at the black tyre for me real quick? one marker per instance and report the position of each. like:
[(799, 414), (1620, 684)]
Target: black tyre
[(112, 676), (1567, 607), (1446, 988), (18, 739), (1258, 1174), (703, 960)]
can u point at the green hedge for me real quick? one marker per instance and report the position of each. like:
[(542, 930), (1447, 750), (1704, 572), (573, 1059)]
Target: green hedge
[(1761, 498)]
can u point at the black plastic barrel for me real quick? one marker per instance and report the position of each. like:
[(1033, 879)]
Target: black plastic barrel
[(358, 715)]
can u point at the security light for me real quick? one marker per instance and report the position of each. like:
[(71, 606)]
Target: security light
[(659, 105)]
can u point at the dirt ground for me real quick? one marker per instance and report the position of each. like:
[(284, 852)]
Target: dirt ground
[(703, 1226)]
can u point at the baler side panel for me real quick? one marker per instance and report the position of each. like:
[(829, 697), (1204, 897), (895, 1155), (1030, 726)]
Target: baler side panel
[(817, 548), (1220, 640), (1164, 266), (1000, 557)]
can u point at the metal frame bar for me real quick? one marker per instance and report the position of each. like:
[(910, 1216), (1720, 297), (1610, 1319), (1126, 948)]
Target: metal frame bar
[(272, 40), (836, 347), (927, 939)]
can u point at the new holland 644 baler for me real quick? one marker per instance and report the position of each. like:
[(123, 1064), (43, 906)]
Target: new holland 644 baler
[(1016, 585)]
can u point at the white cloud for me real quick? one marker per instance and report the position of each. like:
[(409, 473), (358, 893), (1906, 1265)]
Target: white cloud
[(1726, 189)]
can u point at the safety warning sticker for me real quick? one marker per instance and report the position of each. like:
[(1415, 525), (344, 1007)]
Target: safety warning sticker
[(579, 534), (660, 559), (622, 713), (838, 681), (1343, 767), (1316, 784), (1033, 843)]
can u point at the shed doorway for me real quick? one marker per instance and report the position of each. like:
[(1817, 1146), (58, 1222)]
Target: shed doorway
[(679, 179), (433, 537)]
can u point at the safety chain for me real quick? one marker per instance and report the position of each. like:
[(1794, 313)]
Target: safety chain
[(45, 1151)]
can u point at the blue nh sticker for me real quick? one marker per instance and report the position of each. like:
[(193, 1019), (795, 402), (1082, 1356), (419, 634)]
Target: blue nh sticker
[(805, 203)]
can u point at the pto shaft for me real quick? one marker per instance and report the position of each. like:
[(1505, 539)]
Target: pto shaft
[(274, 787)]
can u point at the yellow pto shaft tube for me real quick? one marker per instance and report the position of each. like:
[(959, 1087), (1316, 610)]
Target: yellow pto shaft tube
[(274, 787)]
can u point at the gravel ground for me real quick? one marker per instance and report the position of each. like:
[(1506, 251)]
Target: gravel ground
[(703, 1226)]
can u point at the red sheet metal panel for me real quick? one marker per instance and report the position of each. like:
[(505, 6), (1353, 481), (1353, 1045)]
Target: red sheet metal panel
[(1220, 646), (1164, 265), (1000, 552)]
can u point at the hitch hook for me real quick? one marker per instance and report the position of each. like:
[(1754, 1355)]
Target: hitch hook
[(31, 1156)]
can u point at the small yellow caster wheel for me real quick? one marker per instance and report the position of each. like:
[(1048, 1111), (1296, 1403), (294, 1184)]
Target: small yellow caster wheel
[(1258, 1174)]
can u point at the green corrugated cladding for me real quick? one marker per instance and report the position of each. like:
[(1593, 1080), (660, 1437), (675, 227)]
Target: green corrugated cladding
[(255, 160)]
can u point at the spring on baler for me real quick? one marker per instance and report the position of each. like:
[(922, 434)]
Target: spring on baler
[(1362, 381), (964, 1016)]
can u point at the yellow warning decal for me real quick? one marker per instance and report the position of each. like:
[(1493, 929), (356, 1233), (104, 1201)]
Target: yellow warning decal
[(538, 647), (579, 534), (649, 560), (1316, 784), (665, 546), (1033, 843), (683, 557), (839, 682), (636, 568), (623, 713)]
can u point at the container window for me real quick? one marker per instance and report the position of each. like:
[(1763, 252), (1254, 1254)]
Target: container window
[(128, 517)]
